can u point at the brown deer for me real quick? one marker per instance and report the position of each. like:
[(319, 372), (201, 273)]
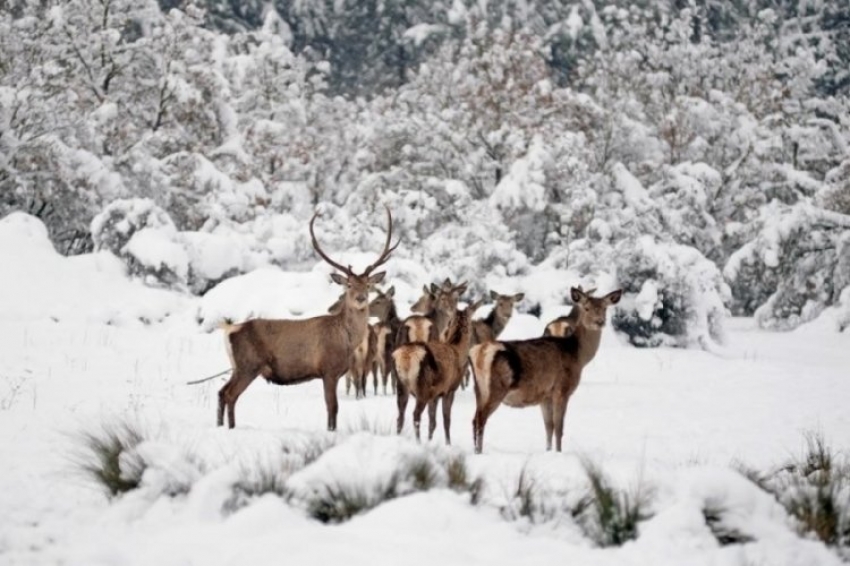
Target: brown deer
[(431, 371), (542, 371), (287, 352), (362, 358), (489, 328), (565, 325), (386, 331), (436, 308)]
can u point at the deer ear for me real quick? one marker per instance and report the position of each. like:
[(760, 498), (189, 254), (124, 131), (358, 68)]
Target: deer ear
[(577, 295), (474, 306), (339, 278), (460, 289), (493, 294), (433, 290), (390, 292), (518, 297), (613, 297), (377, 278)]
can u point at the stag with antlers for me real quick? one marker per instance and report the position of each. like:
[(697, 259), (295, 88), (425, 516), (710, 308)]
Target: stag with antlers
[(287, 352)]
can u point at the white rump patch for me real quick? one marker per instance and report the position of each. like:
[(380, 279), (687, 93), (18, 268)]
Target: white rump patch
[(419, 330), (482, 362), (229, 329), (408, 361)]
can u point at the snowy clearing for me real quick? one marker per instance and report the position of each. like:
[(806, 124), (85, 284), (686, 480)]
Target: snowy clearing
[(74, 355)]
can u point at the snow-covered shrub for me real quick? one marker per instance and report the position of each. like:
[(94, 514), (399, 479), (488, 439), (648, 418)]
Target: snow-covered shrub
[(684, 195), (787, 274), (211, 258), (145, 238), (473, 250), (674, 295), (158, 257), (113, 228)]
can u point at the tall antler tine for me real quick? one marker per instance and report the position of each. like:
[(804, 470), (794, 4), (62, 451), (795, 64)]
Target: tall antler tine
[(319, 251), (385, 254)]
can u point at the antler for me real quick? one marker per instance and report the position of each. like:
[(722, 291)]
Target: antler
[(387, 249), (324, 256)]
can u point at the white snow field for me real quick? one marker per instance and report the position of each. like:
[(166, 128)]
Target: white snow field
[(74, 354)]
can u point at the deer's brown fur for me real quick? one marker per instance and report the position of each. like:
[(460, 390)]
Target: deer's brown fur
[(542, 371), (489, 328), (565, 325), (431, 371), (386, 330), (286, 352), (436, 309)]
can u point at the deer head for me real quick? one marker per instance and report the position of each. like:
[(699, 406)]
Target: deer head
[(504, 306), (357, 286), (448, 296), (593, 309), (382, 304)]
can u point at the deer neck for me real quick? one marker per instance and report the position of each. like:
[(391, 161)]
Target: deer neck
[(391, 319), (496, 323), (441, 320), (460, 337), (355, 322), (588, 341)]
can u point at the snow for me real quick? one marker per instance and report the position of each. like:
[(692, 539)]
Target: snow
[(670, 420)]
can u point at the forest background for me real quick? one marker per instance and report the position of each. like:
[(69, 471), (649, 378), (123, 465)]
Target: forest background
[(695, 152)]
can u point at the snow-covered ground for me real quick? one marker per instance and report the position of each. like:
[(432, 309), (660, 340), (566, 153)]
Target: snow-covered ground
[(74, 353)]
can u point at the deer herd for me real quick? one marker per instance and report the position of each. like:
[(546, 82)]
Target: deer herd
[(428, 355)]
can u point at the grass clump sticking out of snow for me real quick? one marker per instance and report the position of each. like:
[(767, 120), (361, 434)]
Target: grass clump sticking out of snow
[(608, 515), (815, 490), (336, 502), (527, 500), (366, 471), (714, 515), (101, 457)]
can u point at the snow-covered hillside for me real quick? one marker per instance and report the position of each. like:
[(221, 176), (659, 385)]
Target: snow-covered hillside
[(81, 347)]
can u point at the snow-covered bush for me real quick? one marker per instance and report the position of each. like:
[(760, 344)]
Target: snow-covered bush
[(685, 195), (674, 295), (113, 228), (473, 250), (789, 273)]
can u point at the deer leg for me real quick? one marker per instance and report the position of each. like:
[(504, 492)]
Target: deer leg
[(331, 403), (394, 378), (432, 417), (348, 384), (222, 396), (417, 416), (358, 386), (401, 400), (227, 396), (548, 421), (385, 375), (448, 399), (560, 411)]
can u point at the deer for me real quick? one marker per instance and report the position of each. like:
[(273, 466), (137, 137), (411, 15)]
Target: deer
[(565, 325), (362, 358), (287, 352), (386, 332), (489, 328), (436, 308), (541, 371), (433, 370)]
